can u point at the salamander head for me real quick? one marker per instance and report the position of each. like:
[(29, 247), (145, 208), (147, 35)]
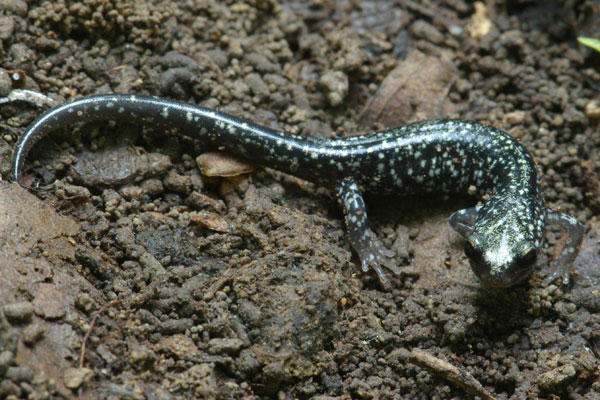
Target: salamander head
[(504, 243), (500, 265)]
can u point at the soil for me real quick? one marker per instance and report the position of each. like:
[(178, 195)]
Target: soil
[(176, 285)]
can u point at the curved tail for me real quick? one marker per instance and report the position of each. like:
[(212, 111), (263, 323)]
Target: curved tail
[(259, 143)]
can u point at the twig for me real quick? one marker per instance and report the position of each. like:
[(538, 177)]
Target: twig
[(87, 335), (449, 372), (28, 96)]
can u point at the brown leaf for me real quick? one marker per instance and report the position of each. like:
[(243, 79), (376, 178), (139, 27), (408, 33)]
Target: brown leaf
[(416, 89)]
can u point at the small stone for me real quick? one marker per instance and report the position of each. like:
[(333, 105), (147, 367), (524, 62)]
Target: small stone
[(19, 374), (202, 201), (514, 118), (152, 187), (557, 377), (480, 25), (172, 326), (180, 345), (111, 166), (18, 312), (105, 353), (424, 30), (262, 63), (150, 263), (225, 346), (257, 85), (142, 358), (72, 191), (48, 302), (335, 85), (455, 30), (9, 388), (17, 7), (132, 192), (75, 377), (6, 358), (33, 333), (235, 48), (558, 121), (209, 220), (5, 81), (592, 109), (177, 183), (84, 302)]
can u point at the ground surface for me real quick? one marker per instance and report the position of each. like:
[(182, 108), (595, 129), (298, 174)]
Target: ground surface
[(270, 302)]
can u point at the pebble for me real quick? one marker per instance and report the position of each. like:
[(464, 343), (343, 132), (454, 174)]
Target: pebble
[(8, 388), (105, 353), (172, 326), (177, 183), (18, 312), (19, 374), (70, 191), (17, 7), (6, 358), (424, 30), (335, 84), (75, 377), (224, 346), (150, 263), (142, 358), (455, 30), (209, 220), (592, 109), (514, 117), (48, 302), (235, 48), (257, 85), (132, 192), (33, 333), (5, 81), (84, 302), (201, 201), (261, 63), (180, 345), (557, 377), (152, 187), (116, 166)]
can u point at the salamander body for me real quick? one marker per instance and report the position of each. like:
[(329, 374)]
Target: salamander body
[(503, 235)]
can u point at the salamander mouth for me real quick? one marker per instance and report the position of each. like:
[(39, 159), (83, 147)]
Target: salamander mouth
[(508, 265), (501, 281)]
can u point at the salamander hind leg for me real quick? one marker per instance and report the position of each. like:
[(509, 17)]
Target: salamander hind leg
[(562, 265), (370, 251)]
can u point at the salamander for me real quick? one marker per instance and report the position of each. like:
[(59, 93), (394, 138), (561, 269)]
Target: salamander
[(503, 235)]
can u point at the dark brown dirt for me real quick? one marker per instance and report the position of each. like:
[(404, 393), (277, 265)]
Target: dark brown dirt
[(273, 304)]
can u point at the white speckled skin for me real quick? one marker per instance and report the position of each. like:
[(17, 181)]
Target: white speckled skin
[(503, 235)]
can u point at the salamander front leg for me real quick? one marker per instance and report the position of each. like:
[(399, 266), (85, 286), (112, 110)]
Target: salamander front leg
[(562, 265), (462, 221), (370, 251)]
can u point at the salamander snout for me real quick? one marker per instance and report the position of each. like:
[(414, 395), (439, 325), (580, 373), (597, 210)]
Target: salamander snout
[(500, 264)]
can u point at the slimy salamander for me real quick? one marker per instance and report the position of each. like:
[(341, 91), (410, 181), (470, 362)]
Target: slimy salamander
[(503, 235)]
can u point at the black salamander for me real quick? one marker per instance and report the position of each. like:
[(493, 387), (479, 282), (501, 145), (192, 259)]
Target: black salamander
[(503, 235)]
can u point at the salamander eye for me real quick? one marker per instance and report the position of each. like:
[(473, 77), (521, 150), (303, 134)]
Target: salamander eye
[(472, 252), (526, 259)]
